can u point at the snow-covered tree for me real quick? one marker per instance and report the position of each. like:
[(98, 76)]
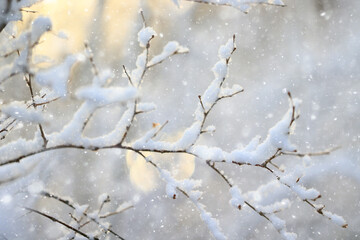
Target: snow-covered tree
[(79, 128)]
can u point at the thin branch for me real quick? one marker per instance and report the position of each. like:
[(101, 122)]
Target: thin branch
[(19, 175), (68, 203), (28, 11), (140, 81), (128, 76), (90, 148), (212, 165), (206, 112), (91, 59), (321, 153), (147, 59), (6, 128), (116, 212), (276, 166), (159, 169), (143, 18), (29, 84), (128, 126), (87, 120), (61, 222), (304, 200), (103, 203), (293, 109), (231, 95), (44, 103), (276, 154), (161, 128), (64, 201), (173, 54), (202, 105)]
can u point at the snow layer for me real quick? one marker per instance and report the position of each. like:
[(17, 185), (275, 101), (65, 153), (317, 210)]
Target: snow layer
[(291, 180), (57, 77), (275, 207), (188, 186), (145, 35), (226, 92), (338, 220), (12, 13), (20, 147), (145, 107), (236, 200), (170, 48), (212, 223), (254, 153), (280, 225), (104, 96), (20, 65), (103, 198), (188, 138), (20, 111), (138, 72), (29, 38), (226, 50)]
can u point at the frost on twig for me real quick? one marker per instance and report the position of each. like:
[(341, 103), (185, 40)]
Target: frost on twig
[(187, 187), (242, 5), (21, 112), (238, 200), (171, 48), (81, 216)]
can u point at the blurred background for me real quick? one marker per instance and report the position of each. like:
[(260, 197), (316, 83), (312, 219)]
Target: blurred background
[(310, 48)]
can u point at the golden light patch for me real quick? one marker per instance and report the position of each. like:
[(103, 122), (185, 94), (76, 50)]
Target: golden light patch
[(142, 175), (71, 17), (102, 23), (119, 17)]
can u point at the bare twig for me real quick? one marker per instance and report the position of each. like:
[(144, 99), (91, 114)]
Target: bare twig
[(69, 204), (212, 165), (29, 84), (61, 222), (161, 128), (128, 76), (143, 18), (202, 105), (116, 212), (276, 154), (28, 11), (44, 103), (231, 95), (321, 153), (103, 203), (293, 109), (157, 63), (91, 59)]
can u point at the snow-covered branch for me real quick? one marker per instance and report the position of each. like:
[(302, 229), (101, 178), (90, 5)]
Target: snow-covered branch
[(10, 10), (81, 217), (50, 84)]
